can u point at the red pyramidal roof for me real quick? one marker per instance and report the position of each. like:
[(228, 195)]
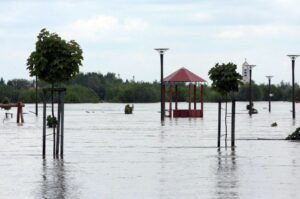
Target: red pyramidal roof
[(183, 75)]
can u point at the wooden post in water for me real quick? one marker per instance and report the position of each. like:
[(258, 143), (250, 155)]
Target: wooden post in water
[(219, 124), (62, 125), (233, 124), (18, 114), (58, 124), (44, 124), (21, 113), (58, 138)]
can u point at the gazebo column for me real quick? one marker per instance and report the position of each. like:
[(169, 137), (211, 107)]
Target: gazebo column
[(176, 97), (170, 98), (195, 98), (189, 98), (201, 98)]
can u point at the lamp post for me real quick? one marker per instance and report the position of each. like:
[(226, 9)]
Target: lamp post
[(269, 77), (250, 87), (161, 51), (293, 57)]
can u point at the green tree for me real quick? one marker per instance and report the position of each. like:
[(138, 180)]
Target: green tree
[(20, 83), (54, 60), (2, 82), (226, 81), (78, 94)]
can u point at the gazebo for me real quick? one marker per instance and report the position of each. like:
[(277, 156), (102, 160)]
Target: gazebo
[(183, 75)]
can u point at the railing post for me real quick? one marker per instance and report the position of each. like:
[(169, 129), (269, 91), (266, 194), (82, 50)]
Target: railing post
[(58, 124), (62, 125), (219, 124), (44, 125), (18, 113), (233, 124)]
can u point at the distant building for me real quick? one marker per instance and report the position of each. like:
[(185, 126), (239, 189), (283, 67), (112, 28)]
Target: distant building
[(245, 72)]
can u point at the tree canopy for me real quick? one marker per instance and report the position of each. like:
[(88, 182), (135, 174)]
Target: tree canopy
[(224, 78), (83, 86), (54, 59)]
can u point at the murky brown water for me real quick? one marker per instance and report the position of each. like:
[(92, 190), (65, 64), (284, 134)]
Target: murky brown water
[(112, 155)]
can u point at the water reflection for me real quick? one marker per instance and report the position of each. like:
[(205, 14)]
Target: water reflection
[(227, 182), (293, 122), (54, 182)]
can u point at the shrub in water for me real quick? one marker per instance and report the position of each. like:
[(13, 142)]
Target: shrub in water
[(295, 135), (51, 121), (128, 109), (253, 110)]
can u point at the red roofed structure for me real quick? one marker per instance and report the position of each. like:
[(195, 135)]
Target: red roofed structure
[(183, 75), (180, 76)]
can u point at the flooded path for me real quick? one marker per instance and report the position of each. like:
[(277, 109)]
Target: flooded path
[(112, 155)]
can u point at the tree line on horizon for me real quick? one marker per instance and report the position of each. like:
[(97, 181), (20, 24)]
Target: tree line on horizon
[(97, 87)]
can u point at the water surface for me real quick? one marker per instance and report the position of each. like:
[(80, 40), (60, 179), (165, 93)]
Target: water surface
[(112, 155)]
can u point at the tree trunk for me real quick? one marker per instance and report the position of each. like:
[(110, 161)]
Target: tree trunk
[(52, 99), (226, 122), (54, 125)]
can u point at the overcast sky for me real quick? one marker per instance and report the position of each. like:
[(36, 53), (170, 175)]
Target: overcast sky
[(119, 35)]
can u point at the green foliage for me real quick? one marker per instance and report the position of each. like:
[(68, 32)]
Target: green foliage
[(51, 121), (27, 95), (295, 135), (54, 59), (6, 100), (9, 92), (2, 82), (20, 83), (224, 78), (94, 87), (128, 109), (77, 94)]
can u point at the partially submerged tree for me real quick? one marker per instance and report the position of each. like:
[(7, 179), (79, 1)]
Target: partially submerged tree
[(226, 81), (54, 60)]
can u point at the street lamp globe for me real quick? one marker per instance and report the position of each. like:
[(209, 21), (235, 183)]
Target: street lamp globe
[(293, 57), (161, 50)]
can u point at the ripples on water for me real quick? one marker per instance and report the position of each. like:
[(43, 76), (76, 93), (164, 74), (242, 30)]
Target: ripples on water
[(112, 155)]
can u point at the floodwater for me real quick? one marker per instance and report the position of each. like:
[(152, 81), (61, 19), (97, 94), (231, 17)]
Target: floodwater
[(112, 155)]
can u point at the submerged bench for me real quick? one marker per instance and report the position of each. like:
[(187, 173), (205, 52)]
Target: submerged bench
[(19, 106)]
